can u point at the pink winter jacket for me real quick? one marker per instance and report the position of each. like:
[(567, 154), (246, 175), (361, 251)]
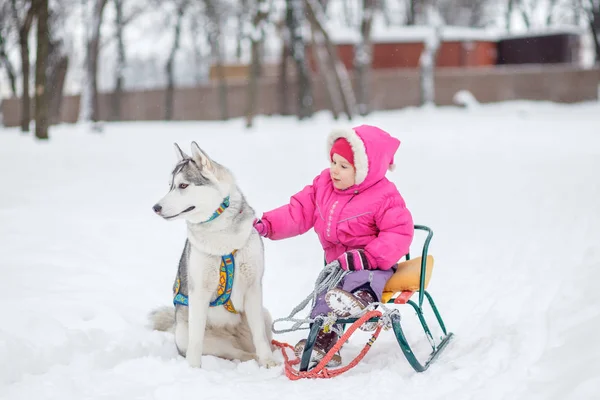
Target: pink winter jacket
[(370, 215)]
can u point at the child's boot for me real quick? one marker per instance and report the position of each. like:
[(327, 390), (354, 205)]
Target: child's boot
[(323, 343), (345, 304)]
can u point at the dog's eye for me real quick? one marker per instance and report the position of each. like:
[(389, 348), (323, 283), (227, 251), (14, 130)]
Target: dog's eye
[(183, 185)]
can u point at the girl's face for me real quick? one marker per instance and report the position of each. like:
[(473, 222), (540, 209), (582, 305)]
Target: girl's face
[(342, 172)]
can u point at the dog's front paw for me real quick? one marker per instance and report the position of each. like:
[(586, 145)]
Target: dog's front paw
[(267, 362), (194, 359)]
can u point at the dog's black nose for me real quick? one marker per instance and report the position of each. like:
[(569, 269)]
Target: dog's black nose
[(157, 208)]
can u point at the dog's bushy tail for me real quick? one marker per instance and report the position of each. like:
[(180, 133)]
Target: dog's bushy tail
[(163, 319)]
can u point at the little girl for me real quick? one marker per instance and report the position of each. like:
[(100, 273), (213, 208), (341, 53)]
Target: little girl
[(361, 220)]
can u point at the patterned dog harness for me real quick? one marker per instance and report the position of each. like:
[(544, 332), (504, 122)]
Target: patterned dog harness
[(226, 274)]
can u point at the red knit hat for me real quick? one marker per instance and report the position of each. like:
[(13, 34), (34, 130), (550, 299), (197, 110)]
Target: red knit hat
[(342, 147)]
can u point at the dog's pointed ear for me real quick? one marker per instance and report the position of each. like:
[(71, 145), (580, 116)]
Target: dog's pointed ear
[(179, 153), (201, 157)]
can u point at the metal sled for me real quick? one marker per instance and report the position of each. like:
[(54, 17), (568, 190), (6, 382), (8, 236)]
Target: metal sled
[(425, 263)]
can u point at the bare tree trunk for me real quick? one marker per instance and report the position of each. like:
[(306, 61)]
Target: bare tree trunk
[(294, 19), (594, 18), (477, 15), (41, 92), (240, 28), (56, 79), (382, 5), (551, 7), (363, 56), (24, 28), (169, 68), (509, 10), (578, 10), (223, 101), (252, 83), (121, 21), (10, 71), (197, 48), (595, 34), (214, 38), (56, 66), (316, 14), (348, 16), (283, 83), (411, 12), (525, 15), (121, 60), (320, 54), (25, 99), (257, 21), (88, 109), (429, 55)]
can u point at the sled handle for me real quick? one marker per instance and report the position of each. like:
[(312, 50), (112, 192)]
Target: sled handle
[(423, 260)]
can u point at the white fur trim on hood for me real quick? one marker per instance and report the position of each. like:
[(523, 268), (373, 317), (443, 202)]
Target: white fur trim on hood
[(361, 161)]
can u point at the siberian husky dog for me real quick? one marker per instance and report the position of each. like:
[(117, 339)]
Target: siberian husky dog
[(219, 223)]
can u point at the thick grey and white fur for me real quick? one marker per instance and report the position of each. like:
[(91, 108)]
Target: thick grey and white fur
[(198, 187)]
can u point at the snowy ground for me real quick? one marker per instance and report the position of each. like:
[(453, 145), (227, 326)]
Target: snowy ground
[(511, 191)]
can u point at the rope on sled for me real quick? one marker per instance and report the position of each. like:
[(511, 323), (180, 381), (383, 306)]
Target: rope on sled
[(320, 371), (329, 278)]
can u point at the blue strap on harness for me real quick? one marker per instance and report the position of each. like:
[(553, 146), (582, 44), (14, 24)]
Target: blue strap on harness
[(226, 274)]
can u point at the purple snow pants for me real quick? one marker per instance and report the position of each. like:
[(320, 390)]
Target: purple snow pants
[(374, 279)]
